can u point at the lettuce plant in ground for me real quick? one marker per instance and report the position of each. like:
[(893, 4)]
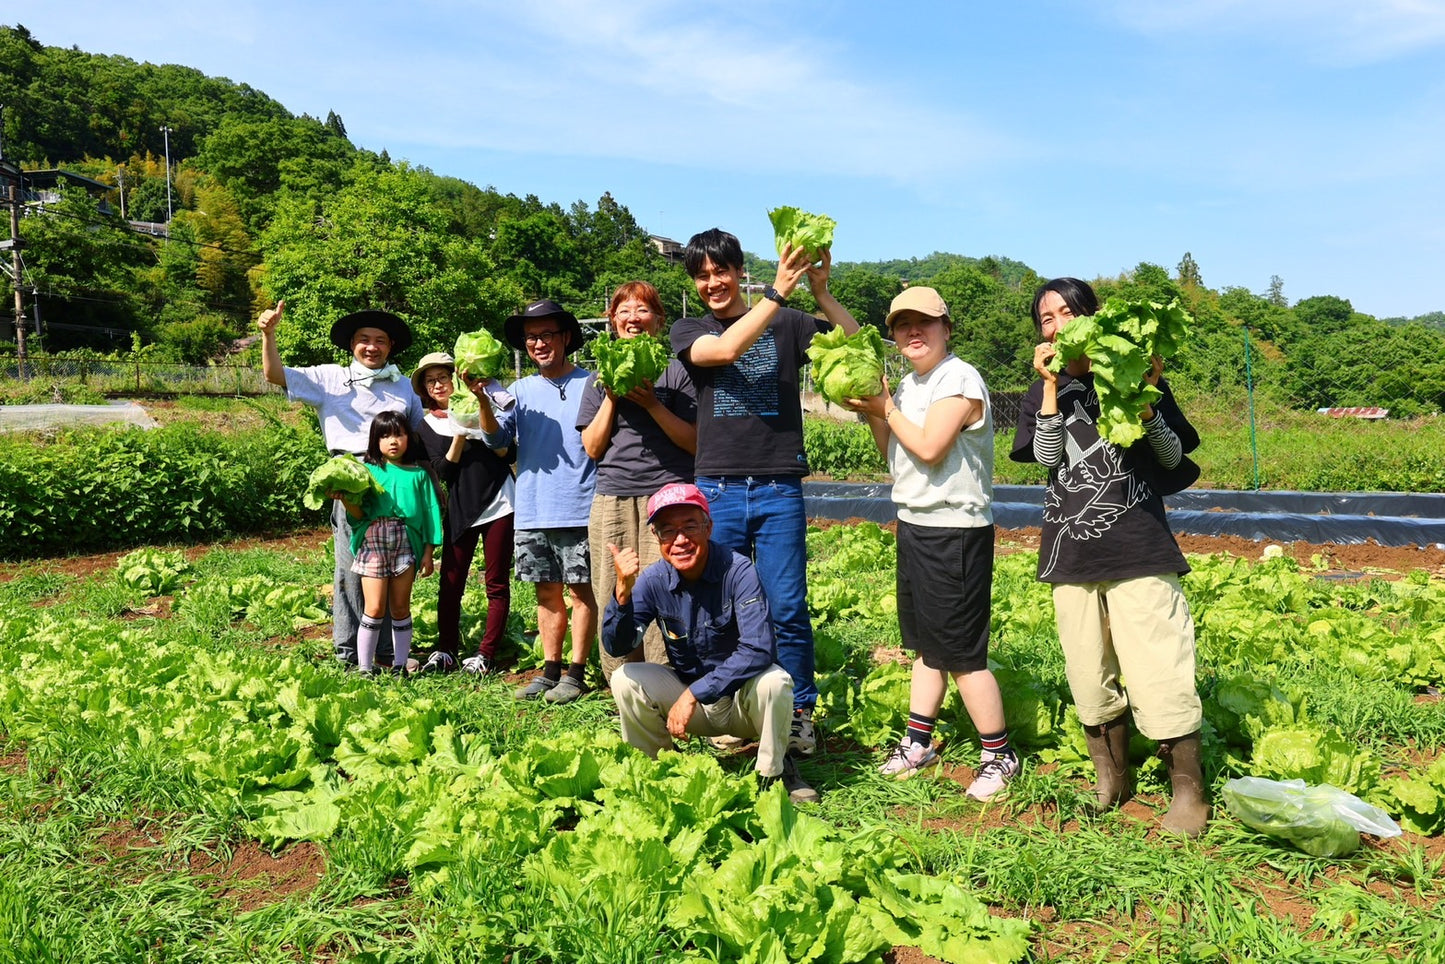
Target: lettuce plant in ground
[(152, 571)]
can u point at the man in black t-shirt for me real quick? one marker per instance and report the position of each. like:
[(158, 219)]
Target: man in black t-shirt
[(744, 365)]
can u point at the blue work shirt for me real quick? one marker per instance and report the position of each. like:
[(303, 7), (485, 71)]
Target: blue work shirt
[(717, 629)]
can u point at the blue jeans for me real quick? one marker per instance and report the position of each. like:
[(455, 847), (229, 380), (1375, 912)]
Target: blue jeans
[(346, 602), (764, 520)]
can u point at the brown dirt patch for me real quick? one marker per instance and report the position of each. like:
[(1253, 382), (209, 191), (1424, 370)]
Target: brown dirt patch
[(1364, 558), (14, 759), (255, 877), (243, 871), (85, 566)]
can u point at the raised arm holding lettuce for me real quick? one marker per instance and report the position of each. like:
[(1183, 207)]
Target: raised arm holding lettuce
[(744, 363)]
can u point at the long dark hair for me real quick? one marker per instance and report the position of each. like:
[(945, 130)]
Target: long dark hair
[(1076, 294), (385, 425)]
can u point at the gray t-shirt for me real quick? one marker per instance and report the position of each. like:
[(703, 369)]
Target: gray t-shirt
[(641, 458), (957, 491)]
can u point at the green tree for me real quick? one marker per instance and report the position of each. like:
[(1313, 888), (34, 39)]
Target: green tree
[(84, 263), (1189, 272), (380, 242)]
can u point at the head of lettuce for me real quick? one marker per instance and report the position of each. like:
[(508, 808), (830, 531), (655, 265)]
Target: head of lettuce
[(847, 366), (811, 232)]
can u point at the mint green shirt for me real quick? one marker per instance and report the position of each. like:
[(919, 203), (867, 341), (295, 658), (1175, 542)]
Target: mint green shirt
[(410, 496)]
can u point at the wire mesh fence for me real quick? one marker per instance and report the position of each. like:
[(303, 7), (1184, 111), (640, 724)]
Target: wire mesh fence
[(138, 376)]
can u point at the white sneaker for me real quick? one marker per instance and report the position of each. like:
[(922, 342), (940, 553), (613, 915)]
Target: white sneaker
[(994, 773), (801, 737), (478, 665), (907, 759)]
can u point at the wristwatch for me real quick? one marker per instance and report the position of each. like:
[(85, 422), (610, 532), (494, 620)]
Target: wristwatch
[(772, 294)]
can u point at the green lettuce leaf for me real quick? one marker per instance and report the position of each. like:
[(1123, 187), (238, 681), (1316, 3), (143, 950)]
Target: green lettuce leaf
[(625, 363), (343, 473), (813, 232), (847, 366), (481, 355), (463, 405), (1120, 340)]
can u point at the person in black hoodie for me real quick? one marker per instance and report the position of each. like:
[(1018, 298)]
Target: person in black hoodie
[(1107, 549), (480, 498)]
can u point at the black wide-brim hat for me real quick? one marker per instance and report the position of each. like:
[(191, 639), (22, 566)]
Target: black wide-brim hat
[(515, 332), (347, 326)]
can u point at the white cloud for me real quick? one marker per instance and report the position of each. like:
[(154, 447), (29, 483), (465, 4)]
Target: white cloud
[(619, 79), (1344, 32)]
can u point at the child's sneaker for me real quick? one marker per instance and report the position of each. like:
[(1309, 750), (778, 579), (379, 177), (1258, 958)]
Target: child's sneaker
[(908, 759), (479, 665), (438, 662), (801, 738), (994, 773)]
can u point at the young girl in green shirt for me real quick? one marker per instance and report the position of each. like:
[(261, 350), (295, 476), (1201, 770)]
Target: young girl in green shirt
[(396, 533)]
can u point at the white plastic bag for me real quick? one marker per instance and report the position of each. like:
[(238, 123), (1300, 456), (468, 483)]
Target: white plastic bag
[(1321, 820)]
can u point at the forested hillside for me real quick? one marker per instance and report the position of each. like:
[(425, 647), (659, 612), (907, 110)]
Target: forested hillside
[(268, 204)]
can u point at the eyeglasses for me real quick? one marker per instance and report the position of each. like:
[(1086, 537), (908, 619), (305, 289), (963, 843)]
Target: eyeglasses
[(536, 338), (668, 534), (445, 379)]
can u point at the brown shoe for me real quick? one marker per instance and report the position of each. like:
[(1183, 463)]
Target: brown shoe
[(1109, 749), (1188, 812)]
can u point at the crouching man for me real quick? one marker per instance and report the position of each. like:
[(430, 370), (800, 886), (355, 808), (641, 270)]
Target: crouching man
[(724, 679)]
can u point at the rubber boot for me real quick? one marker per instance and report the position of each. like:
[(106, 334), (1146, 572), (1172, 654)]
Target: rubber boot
[(1188, 813), (1109, 749)]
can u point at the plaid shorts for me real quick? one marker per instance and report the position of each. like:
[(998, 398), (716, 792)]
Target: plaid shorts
[(385, 550), (553, 555)]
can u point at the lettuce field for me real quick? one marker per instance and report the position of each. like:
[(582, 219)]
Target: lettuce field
[(187, 777)]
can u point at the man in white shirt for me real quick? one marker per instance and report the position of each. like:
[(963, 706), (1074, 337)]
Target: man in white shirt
[(346, 399)]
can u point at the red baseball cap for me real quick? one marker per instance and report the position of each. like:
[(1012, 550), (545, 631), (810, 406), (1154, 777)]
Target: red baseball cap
[(676, 493)]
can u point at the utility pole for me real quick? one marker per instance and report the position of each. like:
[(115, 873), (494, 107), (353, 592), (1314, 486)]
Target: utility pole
[(12, 173), (167, 132)]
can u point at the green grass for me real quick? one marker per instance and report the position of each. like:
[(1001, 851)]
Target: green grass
[(1093, 889)]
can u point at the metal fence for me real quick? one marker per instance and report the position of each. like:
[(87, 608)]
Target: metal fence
[(136, 376)]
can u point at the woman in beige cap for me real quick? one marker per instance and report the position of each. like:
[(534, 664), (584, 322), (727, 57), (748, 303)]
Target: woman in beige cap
[(937, 433)]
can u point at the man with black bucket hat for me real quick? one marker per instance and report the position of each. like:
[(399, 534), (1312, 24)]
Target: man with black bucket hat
[(555, 482), (346, 399)]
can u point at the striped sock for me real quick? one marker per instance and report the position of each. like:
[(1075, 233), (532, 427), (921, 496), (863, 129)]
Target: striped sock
[(366, 639), (996, 743), (400, 641), (920, 729)]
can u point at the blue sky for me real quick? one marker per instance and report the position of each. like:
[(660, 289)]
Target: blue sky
[(1303, 138)]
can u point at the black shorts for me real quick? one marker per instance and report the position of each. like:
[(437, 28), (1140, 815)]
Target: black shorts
[(945, 578)]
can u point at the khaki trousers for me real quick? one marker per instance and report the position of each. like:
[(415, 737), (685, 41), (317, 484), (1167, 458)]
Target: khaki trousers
[(762, 710), (622, 521), (1129, 644)]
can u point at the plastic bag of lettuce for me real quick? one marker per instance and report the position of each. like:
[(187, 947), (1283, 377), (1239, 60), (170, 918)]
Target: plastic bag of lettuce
[(1321, 820)]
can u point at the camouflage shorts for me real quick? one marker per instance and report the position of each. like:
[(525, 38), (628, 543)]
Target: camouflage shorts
[(553, 555)]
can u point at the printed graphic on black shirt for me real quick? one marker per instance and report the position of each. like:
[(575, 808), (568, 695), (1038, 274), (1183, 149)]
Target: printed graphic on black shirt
[(1094, 489), (749, 386)]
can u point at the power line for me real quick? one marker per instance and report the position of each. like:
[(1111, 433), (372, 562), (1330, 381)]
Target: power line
[(127, 229)]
